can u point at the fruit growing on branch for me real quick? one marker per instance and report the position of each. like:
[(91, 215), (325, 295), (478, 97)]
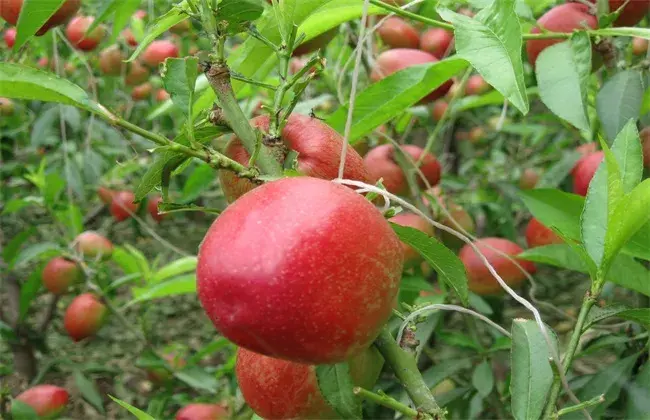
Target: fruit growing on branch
[(436, 41), (59, 274), (123, 205), (481, 281), (92, 245), (142, 92), (76, 31), (158, 51), (584, 171), (438, 110), (280, 389), (382, 163), (288, 271), (476, 85), (48, 401), (10, 9), (137, 73), (152, 208), (538, 234), (528, 179), (10, 37), (397, 33), (84, 316), (563, 18), (392, 61), (105, 194), (319, 153), (111, 61)]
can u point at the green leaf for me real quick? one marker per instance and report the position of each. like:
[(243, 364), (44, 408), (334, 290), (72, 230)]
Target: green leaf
[(237, 12), (23, 82), (129, 263), (531, 371), (22, 411), (619, 101), (563, 72), (638, 32), (15, 205), (438, 373), (199, 181), (483, 379), (29, 291), (180, 266), (448, 266), (198, 378), (607, 381), (177, 286), (32, 17), (10, 250), (638, 401), (335, 383), (137, 413), (555, 174), (491, 42), (179, 77), (559, 255), (177, 14), (37, 251), (638, 315), (72, 219), (555, 209), (88, 391), (381, 101)]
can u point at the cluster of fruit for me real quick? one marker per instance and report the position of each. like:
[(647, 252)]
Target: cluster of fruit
[(122, 204), (111, 59)]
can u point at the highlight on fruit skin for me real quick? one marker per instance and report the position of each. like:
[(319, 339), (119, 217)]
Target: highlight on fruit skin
[(60, 274), (84, 316), (481, 281), (48, 401), (284, 254), (280, 389)]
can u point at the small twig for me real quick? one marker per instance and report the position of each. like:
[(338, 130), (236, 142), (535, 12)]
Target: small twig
[(386, 401), (590, 403)]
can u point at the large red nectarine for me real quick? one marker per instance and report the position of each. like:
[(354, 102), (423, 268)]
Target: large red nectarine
[(319, 153), (84, 317), (279, 389), (47, 400), (480, 279), (301, 269)]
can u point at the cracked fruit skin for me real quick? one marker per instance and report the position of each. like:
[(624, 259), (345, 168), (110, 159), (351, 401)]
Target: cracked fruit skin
[(563, 18), (538, 234), (397, 59), (59, 274), (201, 411), (300, 269), (319, 153), (47, 400), (92, 244), (279, 389), (480, 279), (585, 170), (10, 9), (397, 33), (84, 317), (381, 163)]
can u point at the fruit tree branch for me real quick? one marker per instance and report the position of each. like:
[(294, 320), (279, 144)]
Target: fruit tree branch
[(406, 370), (386, 401)]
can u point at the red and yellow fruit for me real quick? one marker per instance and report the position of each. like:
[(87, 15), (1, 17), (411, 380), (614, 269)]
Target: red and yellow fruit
[(639, 46), (563, 18), (92, 245), (199, 411), (538, 234), (84, 317), (298, 249), (10, 9), (584, 171), (123, 205), (480, 279), (436, 41), (381, 163), (279, 389), (60, 274), (77, 34), (7, 107), (162, 95), (392, 61), (397, 33), (319, 153), (48, 401)]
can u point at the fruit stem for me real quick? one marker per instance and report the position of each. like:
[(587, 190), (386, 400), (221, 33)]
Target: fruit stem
[(219, 77), (386, 401), (407, 372), (445, 116), (587, 303), (586, 404)]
